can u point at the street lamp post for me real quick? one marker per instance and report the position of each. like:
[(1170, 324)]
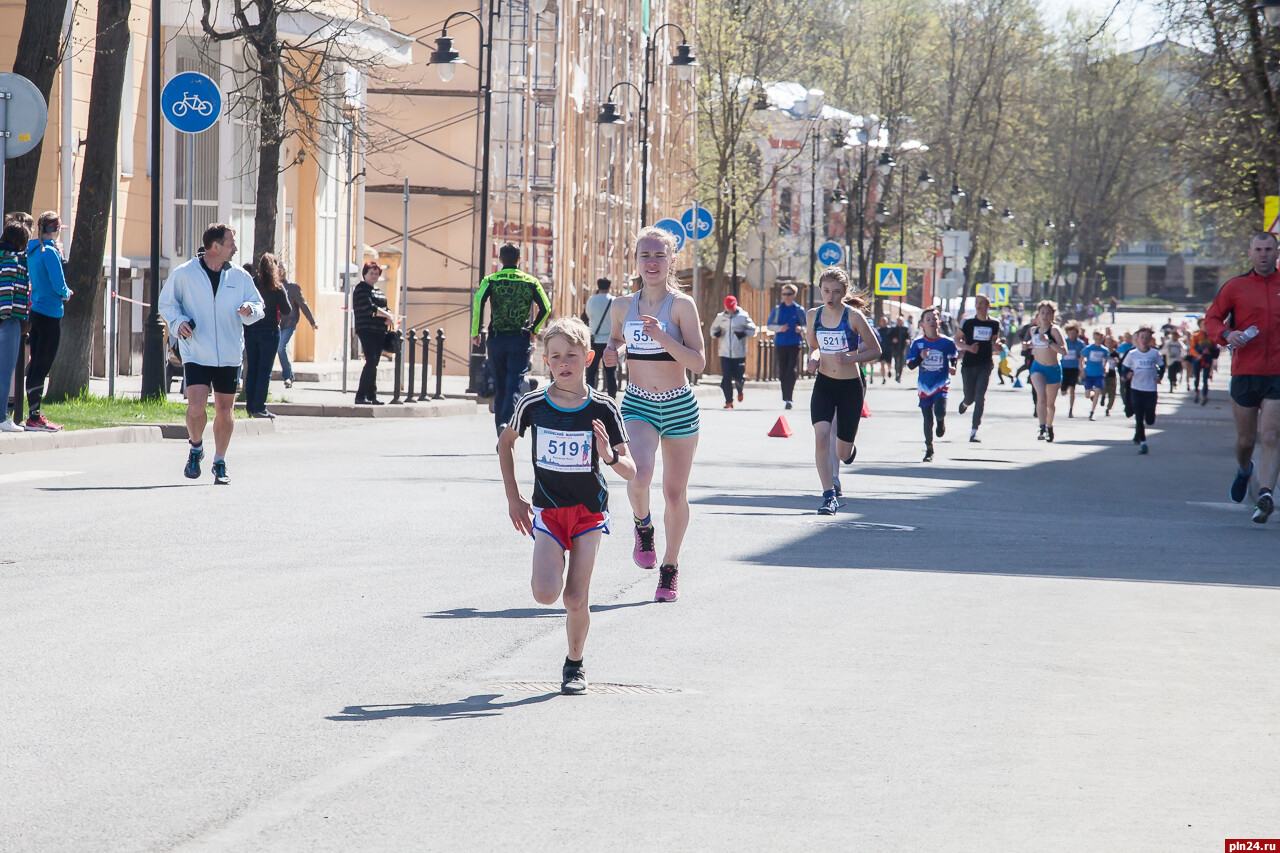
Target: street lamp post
[(446, 59), (153, 384), (683, 62), (815, 138)]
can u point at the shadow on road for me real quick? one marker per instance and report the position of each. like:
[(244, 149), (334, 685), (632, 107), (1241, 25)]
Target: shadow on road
[(524, 612), (473, 707), (117, 488), (1109, 514)]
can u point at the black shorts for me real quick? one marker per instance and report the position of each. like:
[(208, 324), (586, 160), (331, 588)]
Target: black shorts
[(1070, 377), (886, 354), (1250, 391), (221, 379), (832, 397)]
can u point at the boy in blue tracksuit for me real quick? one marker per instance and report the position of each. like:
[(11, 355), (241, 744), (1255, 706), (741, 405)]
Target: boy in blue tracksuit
[(935, 359), (1095, 357)]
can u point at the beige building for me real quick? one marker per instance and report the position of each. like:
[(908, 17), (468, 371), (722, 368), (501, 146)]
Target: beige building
[(568, 194), (222, 173)]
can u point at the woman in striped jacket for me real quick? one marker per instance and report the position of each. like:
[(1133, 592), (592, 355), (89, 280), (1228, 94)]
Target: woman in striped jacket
[(15, 309)]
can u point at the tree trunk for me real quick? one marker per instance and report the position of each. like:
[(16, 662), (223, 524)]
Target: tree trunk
[(70, 374), (268, 191), (39, 52)]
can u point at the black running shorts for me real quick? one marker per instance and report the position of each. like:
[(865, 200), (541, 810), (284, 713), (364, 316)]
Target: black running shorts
[(1250, 391), (832, 397), (221, 379)]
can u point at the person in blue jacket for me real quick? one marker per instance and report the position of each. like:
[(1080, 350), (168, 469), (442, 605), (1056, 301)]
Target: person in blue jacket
[(787, 324), (48, 291), (207, 302)]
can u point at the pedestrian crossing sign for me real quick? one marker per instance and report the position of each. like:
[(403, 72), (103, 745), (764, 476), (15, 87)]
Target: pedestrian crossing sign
[(1002, 295), (1271, 214), (891, 279)]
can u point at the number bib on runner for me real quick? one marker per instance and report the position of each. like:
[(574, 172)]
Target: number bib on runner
[(638, 341), (933, 360), (832, 342), (982, 333), (564, 451)]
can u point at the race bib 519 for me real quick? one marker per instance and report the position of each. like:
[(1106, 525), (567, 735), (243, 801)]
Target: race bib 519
[(564, 451)]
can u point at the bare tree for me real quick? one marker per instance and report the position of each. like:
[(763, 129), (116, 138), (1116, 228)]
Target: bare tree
[(70, 374), (295, 87), (40, 49)]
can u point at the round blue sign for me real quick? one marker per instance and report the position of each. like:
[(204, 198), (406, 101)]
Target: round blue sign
[(675, 228), (191, 102), (830, 253), (705, 223)]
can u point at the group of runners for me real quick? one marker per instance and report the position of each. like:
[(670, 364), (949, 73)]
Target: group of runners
[(574, 427)]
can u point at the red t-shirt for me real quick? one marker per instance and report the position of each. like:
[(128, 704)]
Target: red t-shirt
[(1249, 300)]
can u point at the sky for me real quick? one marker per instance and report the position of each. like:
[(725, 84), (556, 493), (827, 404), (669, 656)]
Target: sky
[(1136, 22)]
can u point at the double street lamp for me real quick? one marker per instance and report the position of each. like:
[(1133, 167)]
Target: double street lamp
[(610, 119)]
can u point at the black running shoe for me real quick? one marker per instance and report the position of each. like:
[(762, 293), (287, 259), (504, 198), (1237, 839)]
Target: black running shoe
[(928, 454), (220, 477), (941, 428), (192, 471), (1040, 437), (973, 439), (962, 407), (573, 680), (1049, 434), (1263, 508), (829, 504), (1239, 486)]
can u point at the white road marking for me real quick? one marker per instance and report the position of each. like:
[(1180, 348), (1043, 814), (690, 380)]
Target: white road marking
[(24, 476), (1219, 505)]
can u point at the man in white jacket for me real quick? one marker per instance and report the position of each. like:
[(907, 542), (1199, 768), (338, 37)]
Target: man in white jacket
[(207, 302), (731, 328)]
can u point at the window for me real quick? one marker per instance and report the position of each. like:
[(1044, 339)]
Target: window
[(784, 211), (244, 157), (330, 160)]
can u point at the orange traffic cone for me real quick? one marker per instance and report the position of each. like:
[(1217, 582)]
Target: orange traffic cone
[(781, 429), (866, 411)]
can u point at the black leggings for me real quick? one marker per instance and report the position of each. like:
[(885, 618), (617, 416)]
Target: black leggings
[(936, 411), (1144, 412), (46, 332), (976, 377), (1109, 390), (371, 343), (840, 399), (788, 362), (733, 373), (1199, 370), (1175, 370)]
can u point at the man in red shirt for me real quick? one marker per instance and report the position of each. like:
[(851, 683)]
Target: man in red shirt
[(1245, 315)]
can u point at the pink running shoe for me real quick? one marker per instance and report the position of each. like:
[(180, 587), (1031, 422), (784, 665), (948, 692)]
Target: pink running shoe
[(644, 554), (668, 583), (39, 423)]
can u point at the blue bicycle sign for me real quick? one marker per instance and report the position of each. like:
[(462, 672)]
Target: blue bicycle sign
[(191, 102)]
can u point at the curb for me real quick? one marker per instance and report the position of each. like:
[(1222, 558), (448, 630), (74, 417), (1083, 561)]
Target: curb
[(24, 442), (435, 409)]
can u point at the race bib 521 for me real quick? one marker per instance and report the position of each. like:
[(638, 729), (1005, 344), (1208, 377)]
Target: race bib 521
[(832, 342), (563, 451)]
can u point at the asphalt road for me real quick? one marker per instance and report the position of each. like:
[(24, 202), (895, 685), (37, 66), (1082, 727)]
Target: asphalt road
[(1061, 647)]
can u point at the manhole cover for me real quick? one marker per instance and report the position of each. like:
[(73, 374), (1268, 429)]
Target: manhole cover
[(595, 687)]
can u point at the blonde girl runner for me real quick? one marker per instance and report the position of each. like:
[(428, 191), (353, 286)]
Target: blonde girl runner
[(840, 342), (660, 329), (1047, 347)]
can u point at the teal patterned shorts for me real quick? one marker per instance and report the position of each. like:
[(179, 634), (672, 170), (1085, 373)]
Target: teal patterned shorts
[(672, 413)]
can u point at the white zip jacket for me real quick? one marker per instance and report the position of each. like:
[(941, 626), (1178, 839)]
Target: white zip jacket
[(732, 346), (218, 339)]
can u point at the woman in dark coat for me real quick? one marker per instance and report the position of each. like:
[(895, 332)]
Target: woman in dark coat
[(262, 339)]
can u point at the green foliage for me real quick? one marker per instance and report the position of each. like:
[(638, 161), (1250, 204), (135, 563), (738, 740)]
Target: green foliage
[(92, 412)]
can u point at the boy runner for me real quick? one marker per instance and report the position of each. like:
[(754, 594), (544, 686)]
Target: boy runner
[(574, 427), (1145, 368), (935, 358), (1095, 358), (1071, 365)]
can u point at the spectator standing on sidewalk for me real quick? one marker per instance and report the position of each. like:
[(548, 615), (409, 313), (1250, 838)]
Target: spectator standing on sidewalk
[(786, 321), (1251, 304), (372, 320), (289, 325), (513, 296), (48, 291), (731, 328), (262, 339), (207, 302), (899, 339), (15, 306), (597, 320)]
